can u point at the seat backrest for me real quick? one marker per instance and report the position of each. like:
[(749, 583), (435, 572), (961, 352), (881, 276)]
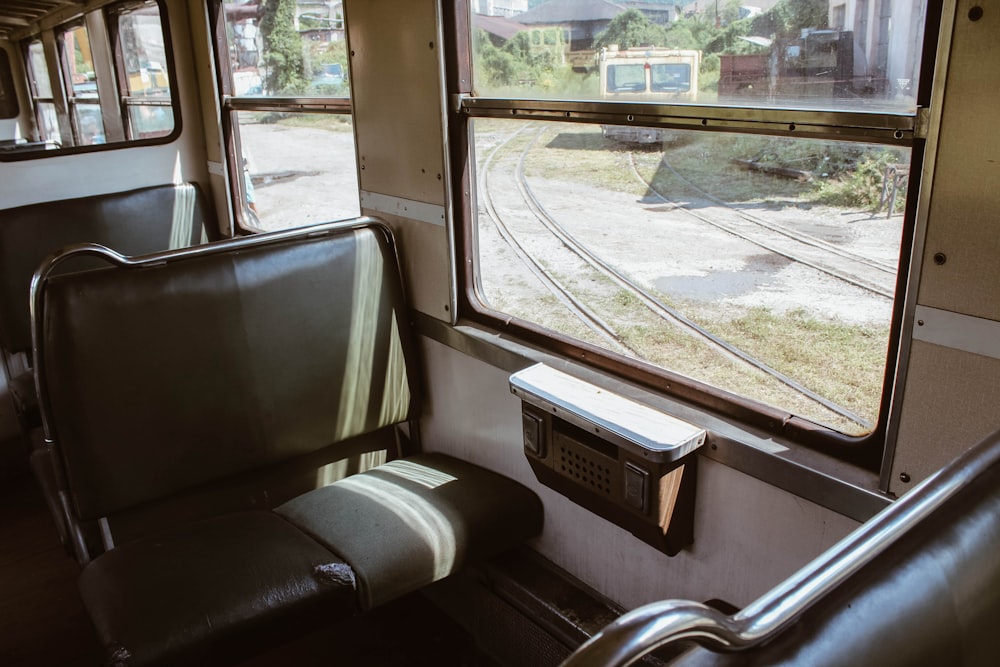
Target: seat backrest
[(133, 223), (219, 360)]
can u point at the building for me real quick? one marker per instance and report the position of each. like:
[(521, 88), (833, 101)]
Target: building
[(886, 44), (506, 8)]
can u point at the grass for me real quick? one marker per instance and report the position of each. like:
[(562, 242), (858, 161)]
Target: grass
[(320, 121), (580, 153), (842, 362)]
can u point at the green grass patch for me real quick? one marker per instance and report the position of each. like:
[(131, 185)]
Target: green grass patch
[(845, 363)]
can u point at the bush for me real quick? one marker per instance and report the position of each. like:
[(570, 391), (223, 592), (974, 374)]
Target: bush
[(861, 187)]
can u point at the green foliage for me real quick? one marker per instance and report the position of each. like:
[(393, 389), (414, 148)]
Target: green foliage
[(861, 187), (530, 57), (631, 29), (537, 58), (493, 66), (790, 16), (283, 49)]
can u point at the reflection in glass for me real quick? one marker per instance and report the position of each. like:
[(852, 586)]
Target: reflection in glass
[(825, 54), (89, 125), (287, 49), (79, 63), (701, 250), (143, 52), (38, 71), (147, 81), (48, 124), (147, 121)]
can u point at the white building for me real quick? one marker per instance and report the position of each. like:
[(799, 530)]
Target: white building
[(886, 39), (500, 7)]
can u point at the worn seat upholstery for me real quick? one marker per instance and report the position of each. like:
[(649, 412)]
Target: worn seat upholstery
[(202, 367), (134, 222)]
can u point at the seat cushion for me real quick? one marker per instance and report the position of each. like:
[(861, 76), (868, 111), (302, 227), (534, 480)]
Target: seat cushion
[(229, 584), (410, 522)]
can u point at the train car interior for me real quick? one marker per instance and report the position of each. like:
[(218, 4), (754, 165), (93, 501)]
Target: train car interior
[(499, 333)]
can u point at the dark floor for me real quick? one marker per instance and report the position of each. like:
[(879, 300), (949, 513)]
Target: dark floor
[(42, 619), (43, 622)]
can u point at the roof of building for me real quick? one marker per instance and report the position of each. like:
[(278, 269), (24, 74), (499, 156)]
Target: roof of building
[(500, 26)]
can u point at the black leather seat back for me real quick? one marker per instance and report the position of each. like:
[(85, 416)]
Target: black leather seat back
[(162, 378), (932, 598), (134, 222)]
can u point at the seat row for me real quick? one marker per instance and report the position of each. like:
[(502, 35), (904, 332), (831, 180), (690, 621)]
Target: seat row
[(195, 404)]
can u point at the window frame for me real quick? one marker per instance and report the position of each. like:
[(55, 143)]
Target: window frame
[(127, 100), (35, 97), (887, 128), (232, 104), (113, 109)]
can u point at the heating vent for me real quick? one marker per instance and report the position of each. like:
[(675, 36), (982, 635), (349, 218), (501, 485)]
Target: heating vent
[(623, 460), (584, 465)]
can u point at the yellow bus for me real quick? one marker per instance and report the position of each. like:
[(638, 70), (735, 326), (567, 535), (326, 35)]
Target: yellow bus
[(647, 74)]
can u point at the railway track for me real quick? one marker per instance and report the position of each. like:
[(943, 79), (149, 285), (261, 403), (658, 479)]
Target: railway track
[(583, 313), (649, 300), (863, 272)]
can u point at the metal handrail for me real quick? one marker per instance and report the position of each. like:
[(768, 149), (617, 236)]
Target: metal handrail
[(78, 541), (654, 625)]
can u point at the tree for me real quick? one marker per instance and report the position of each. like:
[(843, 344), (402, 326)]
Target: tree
[(283, 60), (791, 16), (631, 29)]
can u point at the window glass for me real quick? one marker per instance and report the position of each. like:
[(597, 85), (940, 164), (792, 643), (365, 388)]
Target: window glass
[(81, 77), (78, 60), (826, 54), (287, 49), (108, 92), (147, 96), (293, 129), (764, 266), (38, 71), (89, 126), (299, 168), (8, 96), (46, 120)]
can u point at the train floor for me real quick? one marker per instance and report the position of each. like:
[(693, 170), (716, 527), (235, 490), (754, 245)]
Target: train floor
[(43, 622)]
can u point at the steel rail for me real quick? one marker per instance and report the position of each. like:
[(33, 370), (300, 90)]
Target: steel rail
[(854, 280), (663, 310), (590, 319), (806, 239)]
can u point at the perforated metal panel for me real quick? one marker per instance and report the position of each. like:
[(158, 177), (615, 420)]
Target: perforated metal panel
[(586, 467)]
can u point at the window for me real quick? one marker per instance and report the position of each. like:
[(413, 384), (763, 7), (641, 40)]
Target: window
[(41, 94), (104, 80), (289, 113), (8, 96), (77, 65), (144, 79), (718, 204)]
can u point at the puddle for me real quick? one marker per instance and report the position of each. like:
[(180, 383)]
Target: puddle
[(758, 272)]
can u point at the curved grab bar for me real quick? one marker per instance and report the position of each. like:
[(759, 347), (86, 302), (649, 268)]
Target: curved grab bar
[(652, 626)]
